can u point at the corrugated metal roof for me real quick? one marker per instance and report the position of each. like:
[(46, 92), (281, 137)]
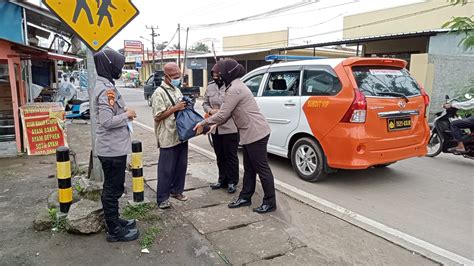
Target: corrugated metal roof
[(368, 39)]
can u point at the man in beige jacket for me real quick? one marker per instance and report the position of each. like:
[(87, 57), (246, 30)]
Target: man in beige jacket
[(254, 131)]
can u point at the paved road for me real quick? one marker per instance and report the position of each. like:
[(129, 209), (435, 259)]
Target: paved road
[(429, 198)]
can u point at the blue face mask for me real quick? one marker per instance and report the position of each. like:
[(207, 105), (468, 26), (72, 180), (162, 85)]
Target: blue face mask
[(176, 82)]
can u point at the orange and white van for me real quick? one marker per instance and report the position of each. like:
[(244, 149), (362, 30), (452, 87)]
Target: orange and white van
[(351, 113)]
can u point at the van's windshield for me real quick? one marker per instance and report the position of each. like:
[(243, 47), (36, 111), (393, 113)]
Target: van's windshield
[(385, 81)]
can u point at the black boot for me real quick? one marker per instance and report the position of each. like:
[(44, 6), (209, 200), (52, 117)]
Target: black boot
[(128, 224), (120, 233)]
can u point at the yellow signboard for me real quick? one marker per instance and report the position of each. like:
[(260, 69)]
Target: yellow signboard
[(94, 21)]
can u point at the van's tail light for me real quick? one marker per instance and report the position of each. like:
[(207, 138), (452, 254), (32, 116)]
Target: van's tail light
[(358, 110), (426, 98)]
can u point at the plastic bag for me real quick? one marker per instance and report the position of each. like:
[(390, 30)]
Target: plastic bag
[(186, 120)]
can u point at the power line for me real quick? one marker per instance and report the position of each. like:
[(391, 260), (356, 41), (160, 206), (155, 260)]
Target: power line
[(252, 46), (318, 24), (257, 16)]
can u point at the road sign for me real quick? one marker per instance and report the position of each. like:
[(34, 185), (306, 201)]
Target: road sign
[(138, 62), (94, 21)]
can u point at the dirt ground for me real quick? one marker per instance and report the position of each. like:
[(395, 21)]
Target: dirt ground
[(24, 187)]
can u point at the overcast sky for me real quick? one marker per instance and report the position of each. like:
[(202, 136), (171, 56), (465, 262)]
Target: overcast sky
[(316, 17)]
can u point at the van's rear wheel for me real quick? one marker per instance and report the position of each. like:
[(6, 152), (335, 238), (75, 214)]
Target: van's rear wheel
[(308, 161)]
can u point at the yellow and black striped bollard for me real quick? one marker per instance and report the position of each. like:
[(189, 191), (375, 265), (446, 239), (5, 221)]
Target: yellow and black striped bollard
[(137, 172), (63, 167)]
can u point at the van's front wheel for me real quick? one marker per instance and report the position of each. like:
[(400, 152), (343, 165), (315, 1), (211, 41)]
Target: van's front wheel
[(308, 161)]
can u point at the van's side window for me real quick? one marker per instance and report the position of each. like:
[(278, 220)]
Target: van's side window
[(254, 83), (319, 82), (283, 84)]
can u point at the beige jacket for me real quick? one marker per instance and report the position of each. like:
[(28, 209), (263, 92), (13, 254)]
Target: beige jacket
[(240, 105), (213, 99), (165, 130)]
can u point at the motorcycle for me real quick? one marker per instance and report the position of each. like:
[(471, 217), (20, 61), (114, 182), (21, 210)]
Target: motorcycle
[(441, 138), (77, 109)]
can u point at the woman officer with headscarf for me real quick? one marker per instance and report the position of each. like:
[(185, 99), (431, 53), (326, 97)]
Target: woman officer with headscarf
[(113, 142), (239, 103)]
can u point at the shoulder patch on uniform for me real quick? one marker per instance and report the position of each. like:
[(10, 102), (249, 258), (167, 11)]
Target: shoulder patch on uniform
[(111, 97)]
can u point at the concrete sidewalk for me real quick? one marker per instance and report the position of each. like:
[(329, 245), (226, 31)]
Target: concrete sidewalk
[(295, 234), (201, 231)]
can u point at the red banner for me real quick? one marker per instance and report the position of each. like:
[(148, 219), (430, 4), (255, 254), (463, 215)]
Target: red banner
[(43, 127)]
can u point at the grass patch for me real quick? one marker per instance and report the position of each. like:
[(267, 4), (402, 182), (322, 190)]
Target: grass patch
[(149, 237), (78, 188), (141, 212), (78, 170), (58, 222)]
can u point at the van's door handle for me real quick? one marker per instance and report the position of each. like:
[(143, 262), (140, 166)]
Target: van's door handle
[(290, 103)]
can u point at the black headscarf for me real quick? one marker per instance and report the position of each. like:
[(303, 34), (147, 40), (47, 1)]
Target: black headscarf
[(229, 70), (109, 64)]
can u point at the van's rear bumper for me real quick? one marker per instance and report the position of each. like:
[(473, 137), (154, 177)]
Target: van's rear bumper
[(351, 152)]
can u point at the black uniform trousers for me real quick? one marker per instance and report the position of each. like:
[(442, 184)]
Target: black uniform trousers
[(225, 147), (256, 162), (113, 188), (172, 167)]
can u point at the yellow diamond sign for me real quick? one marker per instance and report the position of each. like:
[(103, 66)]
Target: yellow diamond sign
[(94, 21)]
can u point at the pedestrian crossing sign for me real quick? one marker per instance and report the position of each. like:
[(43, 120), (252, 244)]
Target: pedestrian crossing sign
[(95, 22)]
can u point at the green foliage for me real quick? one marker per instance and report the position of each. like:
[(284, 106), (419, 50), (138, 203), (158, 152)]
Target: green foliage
[(464, 25), (200, 47), (457, 2), (149, 237), (58, 222), (140, 212)]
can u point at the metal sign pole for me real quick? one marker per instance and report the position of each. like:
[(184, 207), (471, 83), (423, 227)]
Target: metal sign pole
[(96, 173)]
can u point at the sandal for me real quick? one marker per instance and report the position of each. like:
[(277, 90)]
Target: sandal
[(179, 197)]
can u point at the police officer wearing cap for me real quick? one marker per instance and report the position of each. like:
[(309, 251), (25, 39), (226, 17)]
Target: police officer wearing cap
[(113, 142)]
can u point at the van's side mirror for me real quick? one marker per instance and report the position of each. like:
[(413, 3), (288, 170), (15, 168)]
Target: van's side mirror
[(446, 97)]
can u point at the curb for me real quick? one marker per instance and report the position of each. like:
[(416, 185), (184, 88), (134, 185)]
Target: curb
[(403, 240)]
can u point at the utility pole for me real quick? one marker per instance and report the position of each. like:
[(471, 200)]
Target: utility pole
[(179, 46), (185, 50), (95, 167), (153, 35)]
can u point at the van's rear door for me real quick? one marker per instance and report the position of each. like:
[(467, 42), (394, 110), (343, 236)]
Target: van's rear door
[(395, 105)]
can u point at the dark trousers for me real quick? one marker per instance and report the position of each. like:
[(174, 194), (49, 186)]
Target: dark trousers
[(256, 162), (225, 147), (458, 125), (114, 179), (172, 166)]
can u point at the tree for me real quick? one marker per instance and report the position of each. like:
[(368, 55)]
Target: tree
[(464, 25), (200, 47), (161, 46)]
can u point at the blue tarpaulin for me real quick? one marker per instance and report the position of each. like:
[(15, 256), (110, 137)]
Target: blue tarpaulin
[(10, 22)]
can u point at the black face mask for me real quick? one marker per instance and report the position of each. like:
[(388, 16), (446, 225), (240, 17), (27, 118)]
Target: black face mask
[(219, 82)]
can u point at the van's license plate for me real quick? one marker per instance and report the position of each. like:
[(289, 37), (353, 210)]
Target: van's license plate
[(394, 124)]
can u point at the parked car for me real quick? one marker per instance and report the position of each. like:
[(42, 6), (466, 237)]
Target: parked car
[(331, 114), (155, 80)]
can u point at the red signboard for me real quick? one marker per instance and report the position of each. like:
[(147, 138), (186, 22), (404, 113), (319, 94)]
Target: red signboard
[(131, 46), (43, 127)]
